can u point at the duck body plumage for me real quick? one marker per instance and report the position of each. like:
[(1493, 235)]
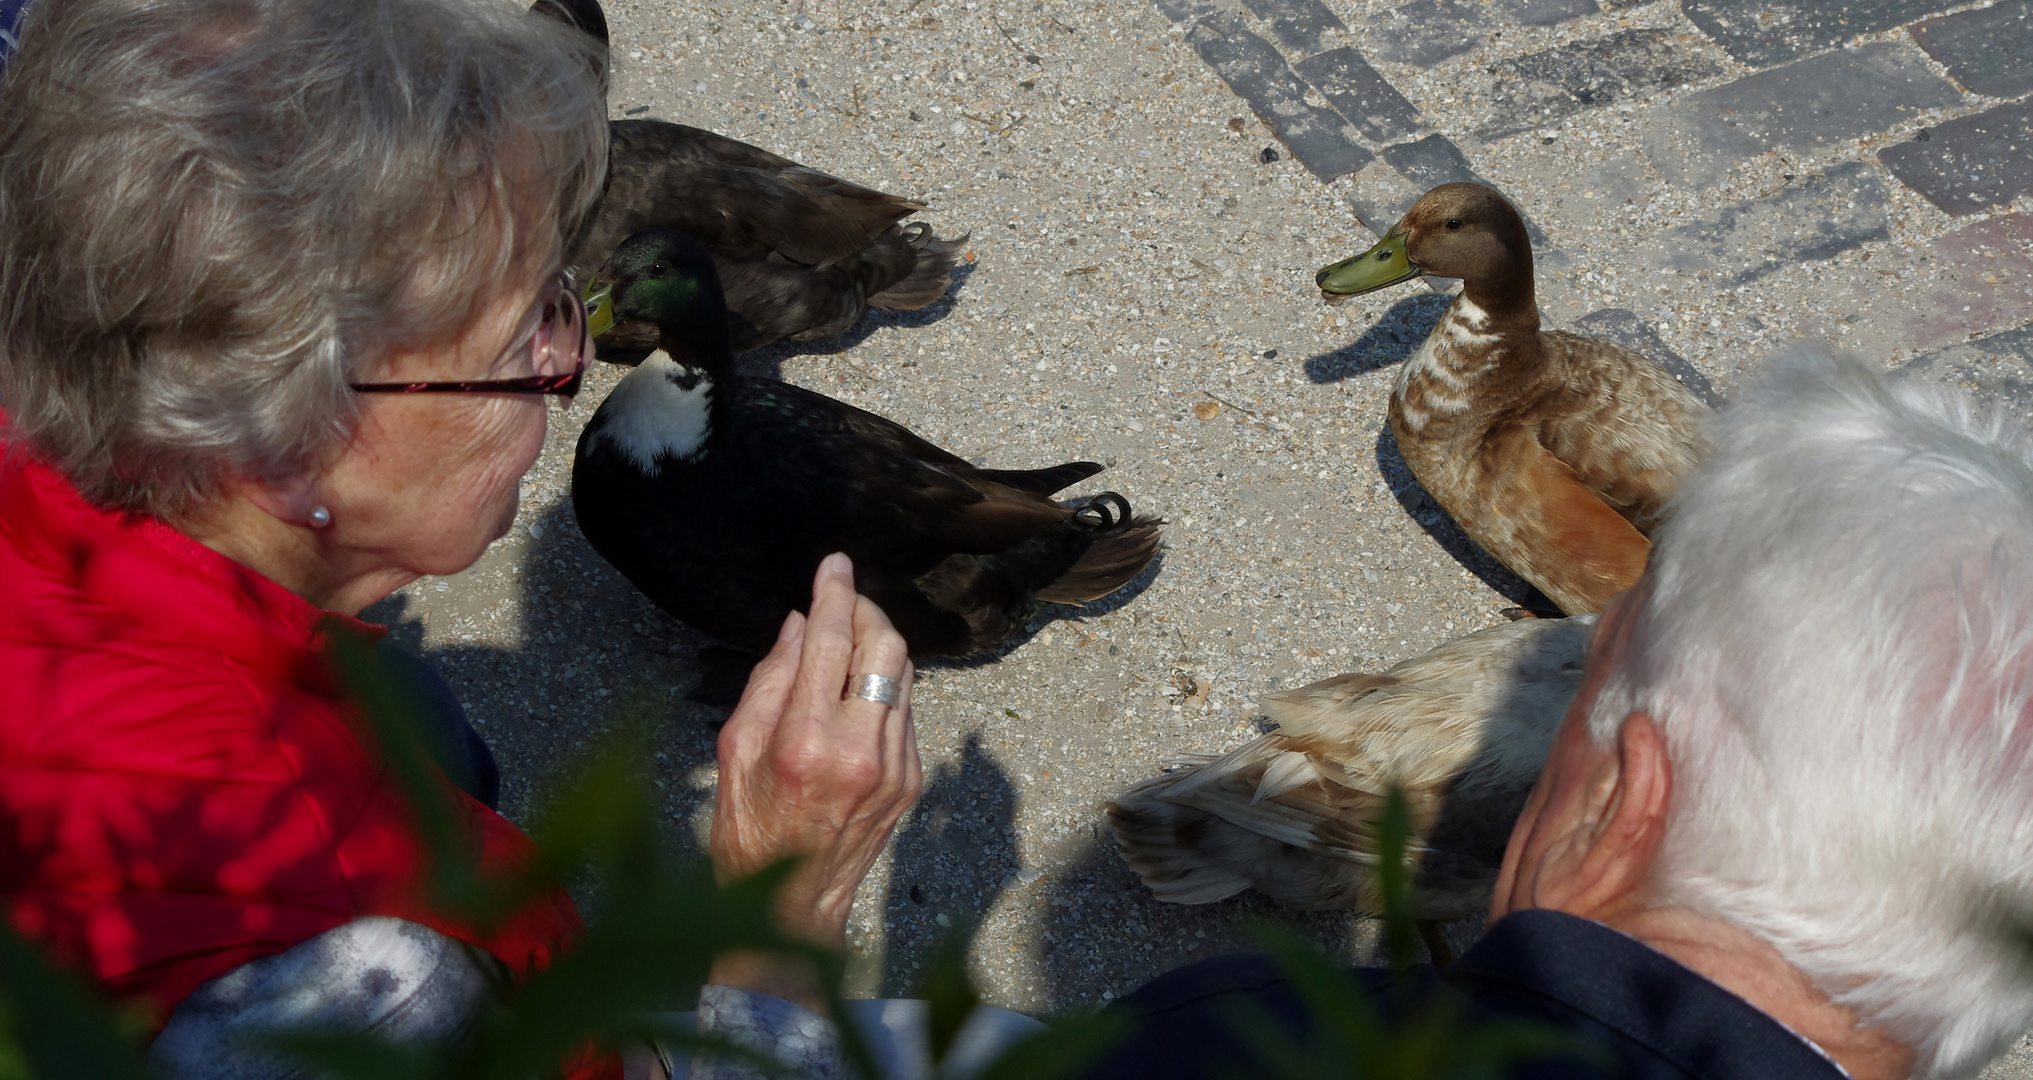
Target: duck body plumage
[(727, 540), (1463, 730), (717, 495), (802, 254), (1556, 453)]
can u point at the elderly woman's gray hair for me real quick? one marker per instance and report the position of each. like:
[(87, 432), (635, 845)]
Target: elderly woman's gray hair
[(1838, 645), (212, 212)]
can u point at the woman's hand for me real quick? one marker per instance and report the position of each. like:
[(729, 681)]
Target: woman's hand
[(807, 770)]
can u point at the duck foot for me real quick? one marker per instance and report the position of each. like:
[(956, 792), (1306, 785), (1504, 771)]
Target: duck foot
[(1434, 934), (723, 677)]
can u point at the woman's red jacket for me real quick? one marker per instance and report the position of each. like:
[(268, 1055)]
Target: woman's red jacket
[(182, 788)]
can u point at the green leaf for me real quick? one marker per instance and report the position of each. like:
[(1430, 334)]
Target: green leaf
[(455, 882), (58, 1027), (949, 991), (1394, 880), (355, 1055)]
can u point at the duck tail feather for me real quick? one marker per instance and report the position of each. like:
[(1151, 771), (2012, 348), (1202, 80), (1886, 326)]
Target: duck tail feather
[(929, 278), (1043, 481), (1125, 546), (1168, 846)]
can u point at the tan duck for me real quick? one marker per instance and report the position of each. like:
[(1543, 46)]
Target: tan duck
[(1555, 452), (1463, 729)]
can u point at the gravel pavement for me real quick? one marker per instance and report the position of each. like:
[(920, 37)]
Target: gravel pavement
[(1149, 188)]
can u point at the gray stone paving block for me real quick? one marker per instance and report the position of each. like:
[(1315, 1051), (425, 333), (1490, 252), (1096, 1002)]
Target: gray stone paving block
[(1626, 328), (1300, 25), (1540, 89), (1971, 162), (1319, 138), (1989, 50), (1805, 106), (1360, 94), (1184, 11), (1432, 161), (1425, 32), (1762, 33), (1435, 160), (1814, 219), (1543, 12), (1999, 367)]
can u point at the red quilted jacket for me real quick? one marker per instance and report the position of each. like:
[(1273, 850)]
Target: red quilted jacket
[(181, 789)]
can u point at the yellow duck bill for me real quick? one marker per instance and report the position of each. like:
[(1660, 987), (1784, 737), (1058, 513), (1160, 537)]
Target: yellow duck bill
[(1384, 264), (599, 301)]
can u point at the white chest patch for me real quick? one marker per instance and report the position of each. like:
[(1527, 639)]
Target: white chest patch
[(1469, 312), (661, 408), (1465, 323)]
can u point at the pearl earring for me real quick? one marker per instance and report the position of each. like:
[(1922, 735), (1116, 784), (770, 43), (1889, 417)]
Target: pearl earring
[(320, 517)]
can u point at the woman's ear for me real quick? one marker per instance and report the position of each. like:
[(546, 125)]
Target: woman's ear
[(290, 500)]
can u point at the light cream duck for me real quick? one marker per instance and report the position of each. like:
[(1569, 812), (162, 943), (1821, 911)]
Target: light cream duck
[(1555, 452), (1463, 730)]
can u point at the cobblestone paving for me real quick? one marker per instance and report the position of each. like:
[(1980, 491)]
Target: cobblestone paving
[(1149, 185)]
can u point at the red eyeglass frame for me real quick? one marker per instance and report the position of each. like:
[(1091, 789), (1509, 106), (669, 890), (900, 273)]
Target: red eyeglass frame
[(573, 315)]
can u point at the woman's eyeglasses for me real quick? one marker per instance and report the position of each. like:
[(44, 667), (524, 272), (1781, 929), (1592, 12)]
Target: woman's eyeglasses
[(557, 355)]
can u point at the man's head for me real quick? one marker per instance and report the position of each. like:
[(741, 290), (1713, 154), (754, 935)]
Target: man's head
[(1812, 722)]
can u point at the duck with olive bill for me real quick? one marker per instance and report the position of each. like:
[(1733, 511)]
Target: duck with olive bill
[(802, 254), (1555, 452), (718, 494)]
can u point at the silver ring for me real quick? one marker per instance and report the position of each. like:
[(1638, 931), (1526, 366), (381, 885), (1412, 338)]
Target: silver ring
[(873, 687)]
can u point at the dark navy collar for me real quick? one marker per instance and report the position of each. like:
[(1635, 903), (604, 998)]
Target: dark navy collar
[(1550, 963)]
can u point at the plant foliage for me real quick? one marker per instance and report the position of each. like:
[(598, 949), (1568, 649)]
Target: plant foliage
[(660, 923)]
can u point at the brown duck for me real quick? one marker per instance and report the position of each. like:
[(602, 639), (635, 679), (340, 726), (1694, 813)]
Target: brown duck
[(1463, 730), (1556, 452)]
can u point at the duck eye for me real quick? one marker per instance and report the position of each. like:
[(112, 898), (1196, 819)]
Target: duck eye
[(1454, 223), (657, 270)]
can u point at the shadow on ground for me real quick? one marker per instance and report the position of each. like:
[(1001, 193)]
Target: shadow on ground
[(590, 645), (1152, 937), (954, 854), (1390, 340)]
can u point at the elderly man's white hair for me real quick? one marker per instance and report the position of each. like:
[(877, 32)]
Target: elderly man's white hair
[(1838, 644)]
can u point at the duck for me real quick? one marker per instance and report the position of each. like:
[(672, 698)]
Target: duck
[(1463, 730), (1557, 453), (718, 494), (802, 254)]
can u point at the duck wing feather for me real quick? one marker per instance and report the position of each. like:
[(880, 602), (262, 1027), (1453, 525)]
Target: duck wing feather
[(1462, 730), (883, 479), (1627, 428), (1536, 516), (737, 199)]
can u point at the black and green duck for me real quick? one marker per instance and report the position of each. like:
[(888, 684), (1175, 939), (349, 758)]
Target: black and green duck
[(801, 254), (717, 494)]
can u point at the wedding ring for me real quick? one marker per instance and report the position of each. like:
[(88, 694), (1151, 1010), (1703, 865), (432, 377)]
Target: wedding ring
[(873, 687)]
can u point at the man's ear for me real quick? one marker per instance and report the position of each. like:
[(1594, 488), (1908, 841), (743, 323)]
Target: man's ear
[(1616, 828)]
